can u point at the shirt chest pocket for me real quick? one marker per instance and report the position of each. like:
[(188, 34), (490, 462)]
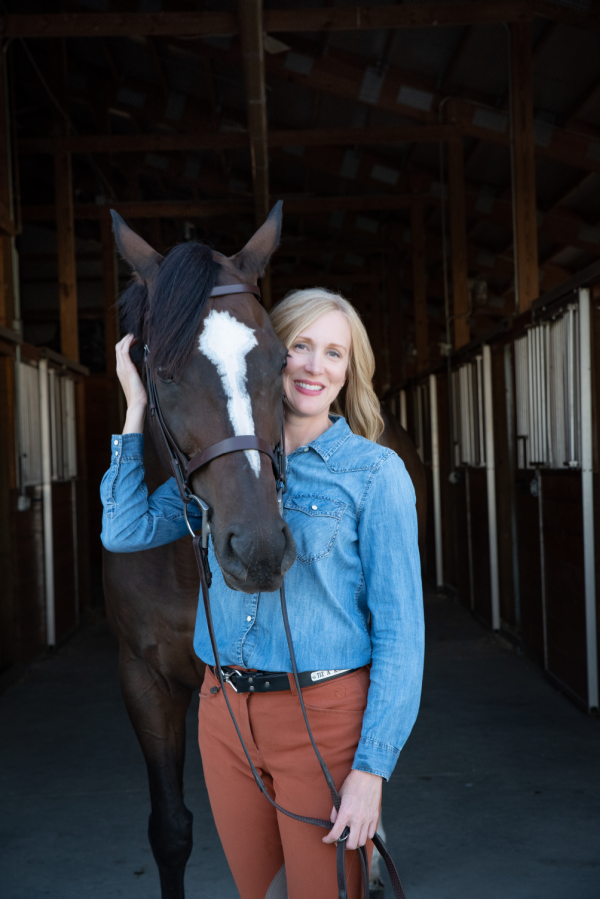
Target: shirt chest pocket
[(314, 522)]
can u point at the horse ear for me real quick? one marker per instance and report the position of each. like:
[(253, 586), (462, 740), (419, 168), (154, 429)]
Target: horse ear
[(141, 257), (254, 258)]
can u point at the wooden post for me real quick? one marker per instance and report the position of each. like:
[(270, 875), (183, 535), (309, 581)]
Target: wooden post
[(250, 18), (65, 228), (458, 238), (395, 321), (523, 150), (65, 244), (376, 329), (110, 289), (419, 284), (7, 306)]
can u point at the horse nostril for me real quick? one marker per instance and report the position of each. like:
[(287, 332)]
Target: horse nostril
[(238, 543)]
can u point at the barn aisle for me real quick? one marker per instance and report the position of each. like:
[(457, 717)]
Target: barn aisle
[(497, 793)]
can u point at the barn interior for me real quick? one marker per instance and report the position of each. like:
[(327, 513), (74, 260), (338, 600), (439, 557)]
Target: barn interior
[(439, 165)]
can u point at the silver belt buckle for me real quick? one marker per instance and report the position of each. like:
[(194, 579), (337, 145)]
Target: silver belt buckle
[(227, 678)]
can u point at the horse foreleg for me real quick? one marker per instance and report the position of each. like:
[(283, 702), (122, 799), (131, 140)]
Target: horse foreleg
[(158, 717)]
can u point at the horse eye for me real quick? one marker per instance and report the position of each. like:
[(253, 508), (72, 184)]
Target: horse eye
[(284, 365), (165, 380)]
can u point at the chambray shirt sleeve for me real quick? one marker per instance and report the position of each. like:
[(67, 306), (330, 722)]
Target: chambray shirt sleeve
[(390, 560), (132, 520)]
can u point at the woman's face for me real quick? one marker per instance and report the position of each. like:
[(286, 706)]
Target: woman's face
[(317, 365)]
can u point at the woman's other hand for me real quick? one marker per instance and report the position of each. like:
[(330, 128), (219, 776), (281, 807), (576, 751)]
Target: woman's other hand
[(361, 802), (134, 390)]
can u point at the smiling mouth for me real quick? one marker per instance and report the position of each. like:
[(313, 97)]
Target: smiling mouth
[(310, 388)]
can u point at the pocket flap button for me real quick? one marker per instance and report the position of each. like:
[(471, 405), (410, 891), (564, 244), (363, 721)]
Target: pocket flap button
[(314, 508)]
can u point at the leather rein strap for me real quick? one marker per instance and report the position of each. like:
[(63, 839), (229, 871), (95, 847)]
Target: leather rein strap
[(182, 470)]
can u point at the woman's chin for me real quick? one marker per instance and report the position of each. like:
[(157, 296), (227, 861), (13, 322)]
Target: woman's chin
[(310, 406)]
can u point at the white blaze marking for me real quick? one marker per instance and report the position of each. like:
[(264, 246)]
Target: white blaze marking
[(227, 342)]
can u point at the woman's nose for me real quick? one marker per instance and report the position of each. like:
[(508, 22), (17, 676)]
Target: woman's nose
[(314, 364)]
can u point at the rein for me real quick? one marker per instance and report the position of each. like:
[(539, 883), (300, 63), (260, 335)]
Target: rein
[(182, 470)]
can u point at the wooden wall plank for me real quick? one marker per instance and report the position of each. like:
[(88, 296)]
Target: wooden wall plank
[(65, 590), (27, 532), (530, 566), (565, 587), (480, 545)]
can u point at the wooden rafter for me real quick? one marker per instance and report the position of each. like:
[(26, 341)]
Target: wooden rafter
[(589, 95), (215, 208), (416, 96), (349, 18), (321, 137)]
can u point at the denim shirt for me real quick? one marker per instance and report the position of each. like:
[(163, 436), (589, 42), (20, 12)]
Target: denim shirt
[(354, 592)]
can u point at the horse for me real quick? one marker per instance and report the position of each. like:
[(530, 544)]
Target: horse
[(152, 596)]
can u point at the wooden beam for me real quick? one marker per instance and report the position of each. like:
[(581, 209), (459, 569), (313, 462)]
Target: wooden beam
[(6, 294), (525, 213), (419, 284), (321, 137), (250, 16), (65, 240), (110, 292), (589, 95), (250, 19), (350, 18), (342, 74), (65, 225), (215, 208), (455, 60), (562, 227), (153, 209), (458, 237)]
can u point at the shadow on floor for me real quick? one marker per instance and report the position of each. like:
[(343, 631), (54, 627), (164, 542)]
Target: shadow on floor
[(496, 795)]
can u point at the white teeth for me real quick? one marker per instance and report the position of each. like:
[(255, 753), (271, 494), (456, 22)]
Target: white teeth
[(314, 387)]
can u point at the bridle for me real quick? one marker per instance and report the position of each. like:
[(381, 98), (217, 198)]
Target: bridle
[(182, 469)]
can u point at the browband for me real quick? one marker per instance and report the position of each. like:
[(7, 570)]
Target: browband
[(235, 288), (231, 445)]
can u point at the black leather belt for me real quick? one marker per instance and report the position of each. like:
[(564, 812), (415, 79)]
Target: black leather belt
[(273, 681)]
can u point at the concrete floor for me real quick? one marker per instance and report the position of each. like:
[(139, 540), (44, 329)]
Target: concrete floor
[(496, 795)]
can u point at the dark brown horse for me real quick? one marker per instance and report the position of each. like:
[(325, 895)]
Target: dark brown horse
[(152, 596)]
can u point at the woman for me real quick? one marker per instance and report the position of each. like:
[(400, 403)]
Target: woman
[(355, 606)]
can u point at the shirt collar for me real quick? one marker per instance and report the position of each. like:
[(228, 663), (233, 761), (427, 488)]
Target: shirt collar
[(331, 440)]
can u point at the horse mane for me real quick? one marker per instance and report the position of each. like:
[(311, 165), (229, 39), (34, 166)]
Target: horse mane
[(166, 316)]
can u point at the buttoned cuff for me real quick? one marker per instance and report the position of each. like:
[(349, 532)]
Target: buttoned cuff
[(376, 758), (126, 448)]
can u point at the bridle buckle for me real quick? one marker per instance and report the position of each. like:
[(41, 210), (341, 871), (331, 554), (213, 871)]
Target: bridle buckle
[(205, 509)]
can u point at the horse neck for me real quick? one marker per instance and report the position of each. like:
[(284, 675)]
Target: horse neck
[(156, 473)]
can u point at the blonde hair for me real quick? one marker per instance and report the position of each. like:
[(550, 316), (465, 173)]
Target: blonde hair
[(357, 401)]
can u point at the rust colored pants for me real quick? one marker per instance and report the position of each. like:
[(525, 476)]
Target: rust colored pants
[(258, 840)]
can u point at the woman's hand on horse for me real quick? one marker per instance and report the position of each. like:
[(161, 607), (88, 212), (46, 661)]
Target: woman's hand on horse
[(361, 802), (134, 390)]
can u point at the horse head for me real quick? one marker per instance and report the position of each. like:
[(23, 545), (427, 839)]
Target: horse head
[(217, 365)]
